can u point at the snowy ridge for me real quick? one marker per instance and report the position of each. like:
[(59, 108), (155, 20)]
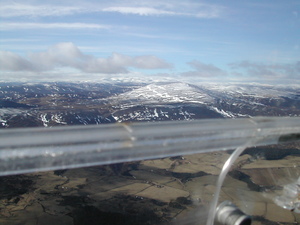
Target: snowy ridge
[(53, 104), (253, 90), (148, 113), (224, 113), (160, 93), (54, 118)]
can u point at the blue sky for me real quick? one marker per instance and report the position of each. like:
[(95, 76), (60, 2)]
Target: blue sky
[(213, 40)]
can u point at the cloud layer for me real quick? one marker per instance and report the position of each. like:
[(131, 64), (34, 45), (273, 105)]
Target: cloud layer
[(68, 55), (21, 26), (268, 71), (204, 70), (203, 10), (142, 8), (246, 71)]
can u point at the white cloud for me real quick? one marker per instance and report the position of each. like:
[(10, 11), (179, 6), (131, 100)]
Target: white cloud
[(204, 70), (67, 55), (142, 11), (19, 9), (13, 62), (149, 62), (142, 8), (169, 8), (198, 10), (13, 26), (265, 70)]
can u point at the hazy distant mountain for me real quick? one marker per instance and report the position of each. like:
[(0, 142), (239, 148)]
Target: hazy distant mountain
[(52, 104)]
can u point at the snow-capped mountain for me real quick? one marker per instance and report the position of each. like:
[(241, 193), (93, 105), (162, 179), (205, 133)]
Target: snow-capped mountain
[(52, 104), (161, 93)]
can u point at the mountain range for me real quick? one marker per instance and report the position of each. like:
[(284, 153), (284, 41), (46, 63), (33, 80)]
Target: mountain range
[(59, 103)]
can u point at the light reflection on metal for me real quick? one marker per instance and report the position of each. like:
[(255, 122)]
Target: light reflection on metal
[(229, 214)]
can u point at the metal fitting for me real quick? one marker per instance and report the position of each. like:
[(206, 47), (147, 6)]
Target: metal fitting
[(229, 214)]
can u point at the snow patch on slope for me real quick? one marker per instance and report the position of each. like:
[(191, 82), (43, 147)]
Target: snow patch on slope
[(163, 93), (222, 112)]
